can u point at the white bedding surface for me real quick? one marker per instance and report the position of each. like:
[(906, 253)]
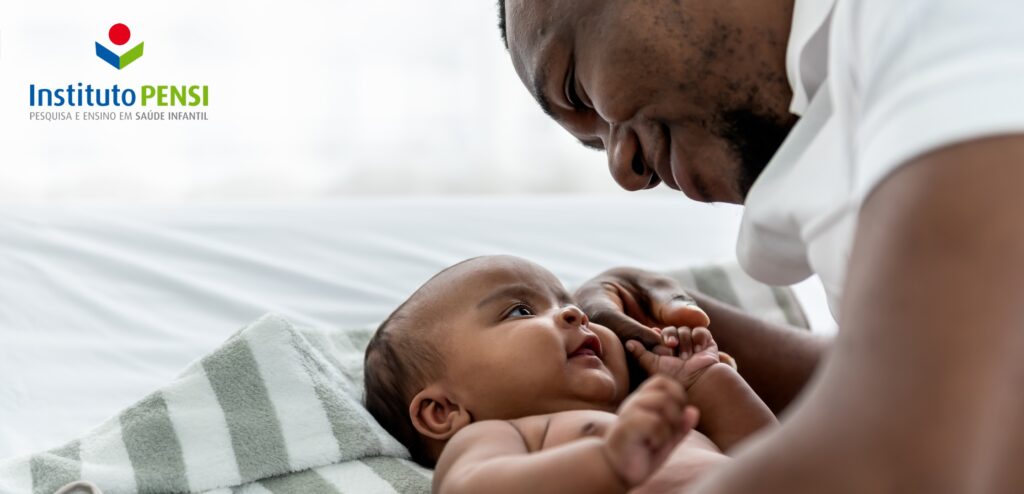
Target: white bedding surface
[(100, 303)]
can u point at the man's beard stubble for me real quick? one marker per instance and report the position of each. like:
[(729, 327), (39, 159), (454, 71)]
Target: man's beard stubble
[(754, 138)]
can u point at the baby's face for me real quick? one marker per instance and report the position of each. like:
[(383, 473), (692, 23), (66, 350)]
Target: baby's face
[(515, 344)]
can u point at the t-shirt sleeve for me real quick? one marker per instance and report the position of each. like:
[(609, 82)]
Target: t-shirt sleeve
[(928, 74)]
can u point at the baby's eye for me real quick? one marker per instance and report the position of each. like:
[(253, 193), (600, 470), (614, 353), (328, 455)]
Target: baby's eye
[(520, 311)]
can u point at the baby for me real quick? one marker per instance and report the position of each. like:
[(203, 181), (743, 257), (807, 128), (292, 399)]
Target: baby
[(490, 373)]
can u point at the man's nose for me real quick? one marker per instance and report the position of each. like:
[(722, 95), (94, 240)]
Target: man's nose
[(626, 159), (572, 317)]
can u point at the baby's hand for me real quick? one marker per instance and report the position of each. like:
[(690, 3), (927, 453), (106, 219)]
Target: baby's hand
[(683, 355), (652, 421)]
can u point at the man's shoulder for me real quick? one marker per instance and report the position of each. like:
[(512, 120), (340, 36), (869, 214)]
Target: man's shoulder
[(908, 22)]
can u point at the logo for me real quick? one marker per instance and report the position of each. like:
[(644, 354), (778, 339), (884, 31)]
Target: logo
[(119, 35), (89, 100)]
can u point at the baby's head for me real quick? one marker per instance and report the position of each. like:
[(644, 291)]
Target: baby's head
[(488, 338)]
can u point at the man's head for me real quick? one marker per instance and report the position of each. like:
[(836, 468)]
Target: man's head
[(692, 93), (489, 338)]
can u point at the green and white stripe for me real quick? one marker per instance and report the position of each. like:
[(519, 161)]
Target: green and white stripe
[(251, 418), (266, 412), (103, 456), (198, 404), (54, 468), (301, 418)]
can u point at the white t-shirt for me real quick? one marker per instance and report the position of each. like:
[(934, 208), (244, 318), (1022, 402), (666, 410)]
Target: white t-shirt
[(877, 83)]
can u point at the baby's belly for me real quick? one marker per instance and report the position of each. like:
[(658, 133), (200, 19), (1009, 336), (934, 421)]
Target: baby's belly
[(687, 463)]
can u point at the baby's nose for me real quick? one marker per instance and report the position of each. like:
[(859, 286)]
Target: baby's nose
[(573, 317)]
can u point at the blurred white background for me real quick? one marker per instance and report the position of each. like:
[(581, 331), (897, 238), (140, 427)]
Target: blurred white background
[(307, 99)]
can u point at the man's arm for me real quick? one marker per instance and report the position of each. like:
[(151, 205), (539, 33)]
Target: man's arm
[(776, 360), (922, 390)]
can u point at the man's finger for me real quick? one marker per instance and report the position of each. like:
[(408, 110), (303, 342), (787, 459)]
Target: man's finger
[(671, 305), (679, 311), (625, 327)]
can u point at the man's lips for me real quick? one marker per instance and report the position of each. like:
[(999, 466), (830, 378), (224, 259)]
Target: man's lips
[(662, 159), (670, 168), (686, 182), (664, 170)]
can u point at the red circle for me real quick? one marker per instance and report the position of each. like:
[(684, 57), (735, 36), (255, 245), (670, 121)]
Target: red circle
[(119, 34)]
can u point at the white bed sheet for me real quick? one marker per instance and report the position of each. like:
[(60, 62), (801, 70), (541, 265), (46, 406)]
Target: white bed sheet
[(100, 303)]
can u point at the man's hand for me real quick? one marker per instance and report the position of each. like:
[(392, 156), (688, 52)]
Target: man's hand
[(631, 301), (684, 354), (776, 360), (652, 421)]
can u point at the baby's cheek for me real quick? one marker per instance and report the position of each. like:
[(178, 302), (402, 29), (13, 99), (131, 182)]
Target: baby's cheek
[(615, 361)]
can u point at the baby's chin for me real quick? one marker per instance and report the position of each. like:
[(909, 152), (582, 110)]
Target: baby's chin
[(596, 387)]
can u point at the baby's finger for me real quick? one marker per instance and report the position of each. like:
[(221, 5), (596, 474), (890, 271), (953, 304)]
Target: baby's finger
[(675, 390), (648, 361), (672, 412), (727, 359), (685, 348), (652, 428), (670, 336), (665, 388), (701, 339), (691, 416)]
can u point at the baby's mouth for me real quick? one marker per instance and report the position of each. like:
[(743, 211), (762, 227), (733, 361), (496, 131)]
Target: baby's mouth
[(589, 347)]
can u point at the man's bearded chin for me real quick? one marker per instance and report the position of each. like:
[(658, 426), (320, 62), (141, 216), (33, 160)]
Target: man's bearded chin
[(754, 138)]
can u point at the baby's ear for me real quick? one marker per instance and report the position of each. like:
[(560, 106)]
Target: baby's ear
[(436, 415)]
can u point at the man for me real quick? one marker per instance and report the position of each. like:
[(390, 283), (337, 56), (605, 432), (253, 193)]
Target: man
[(876, 143)]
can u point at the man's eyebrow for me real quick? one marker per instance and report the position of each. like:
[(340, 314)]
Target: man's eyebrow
[(540, 81), (518, 290), (595, 144)]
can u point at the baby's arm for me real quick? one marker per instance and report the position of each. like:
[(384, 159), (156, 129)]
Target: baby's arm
[(491, 456), (730, 410)]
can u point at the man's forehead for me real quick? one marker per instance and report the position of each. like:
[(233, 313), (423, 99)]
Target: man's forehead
[(530, 28)]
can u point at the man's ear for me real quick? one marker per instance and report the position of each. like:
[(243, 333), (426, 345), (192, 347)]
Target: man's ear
[(436, 415)]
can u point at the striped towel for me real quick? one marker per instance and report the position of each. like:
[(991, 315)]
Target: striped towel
[(274, 409), (278, 410)]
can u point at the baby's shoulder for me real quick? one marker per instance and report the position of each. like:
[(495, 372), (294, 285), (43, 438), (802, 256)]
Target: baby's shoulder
[(478, 441), (484, 430)]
